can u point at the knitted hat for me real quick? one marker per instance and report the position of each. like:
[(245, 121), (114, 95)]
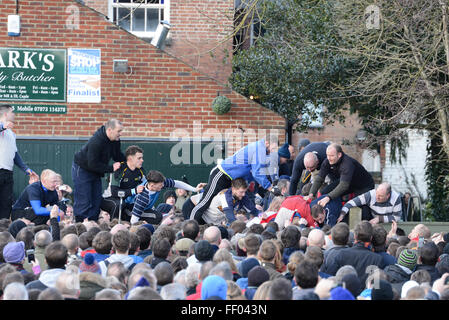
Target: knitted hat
[(214, 286), (352, 284), (203, 251), (149, 227), (257, 275), (284, 152), (408, 258), (303, 143), (15, 227), (224, 232), (89, 264), (164, 208), (246, 265), (184, 244), (339, 293), (382, 291), (14, 252)]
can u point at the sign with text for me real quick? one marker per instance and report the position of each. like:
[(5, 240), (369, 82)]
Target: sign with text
[(84, 75), (33, 74), (39, 108)]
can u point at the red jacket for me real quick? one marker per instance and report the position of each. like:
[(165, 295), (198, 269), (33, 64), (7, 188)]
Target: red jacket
[(197, 294), (298, 204)]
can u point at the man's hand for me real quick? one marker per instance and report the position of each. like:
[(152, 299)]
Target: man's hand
[(54, 213), (140, 188), (116, 166), (439, 286), (323, 202), (9, 125), (33, 176), (303, 221), (200, 186), (394, 228), (374, 220), (311, 196), (341, 217)]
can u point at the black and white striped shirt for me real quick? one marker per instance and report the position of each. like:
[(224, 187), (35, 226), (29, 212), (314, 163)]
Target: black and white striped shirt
[(387, 211)]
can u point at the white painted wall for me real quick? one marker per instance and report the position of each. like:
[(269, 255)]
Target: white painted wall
[(410, 175)]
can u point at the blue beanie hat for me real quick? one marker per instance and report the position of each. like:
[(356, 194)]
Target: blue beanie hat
[(149, 227), (339, 293), (164, 208), (284, 152), (214, 286)]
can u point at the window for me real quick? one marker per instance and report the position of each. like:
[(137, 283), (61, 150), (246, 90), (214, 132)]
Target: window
[(140, 17)]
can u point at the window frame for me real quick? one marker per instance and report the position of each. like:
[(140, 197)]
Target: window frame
[(113, 6)]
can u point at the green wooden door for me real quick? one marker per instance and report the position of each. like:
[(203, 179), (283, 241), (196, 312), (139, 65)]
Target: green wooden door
[(193, 162)]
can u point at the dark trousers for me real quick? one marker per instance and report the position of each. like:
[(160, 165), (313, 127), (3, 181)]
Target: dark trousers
[(6, 193), (112, 205), (217, 182), (30, 215), (366, 211), (86, 194)]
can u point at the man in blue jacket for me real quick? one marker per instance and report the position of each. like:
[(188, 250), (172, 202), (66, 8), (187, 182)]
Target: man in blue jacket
[(250, 163), (89, 166)]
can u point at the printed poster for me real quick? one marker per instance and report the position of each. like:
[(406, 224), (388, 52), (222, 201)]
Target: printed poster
[(84, 76)]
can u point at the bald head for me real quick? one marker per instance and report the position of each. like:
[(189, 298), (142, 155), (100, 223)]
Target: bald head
[(42, 239), (49, 179), (212, 235), (316, 238), (310, 161), (71, 242), (383, 192)]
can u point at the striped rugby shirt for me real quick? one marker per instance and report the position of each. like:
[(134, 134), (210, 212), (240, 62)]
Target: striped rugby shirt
[(388, 211), (146, 199)]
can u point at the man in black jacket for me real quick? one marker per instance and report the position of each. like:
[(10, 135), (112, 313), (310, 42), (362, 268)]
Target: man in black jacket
[(128, 178), (347, 176), (310, 158), (361, 255), (89, 166)]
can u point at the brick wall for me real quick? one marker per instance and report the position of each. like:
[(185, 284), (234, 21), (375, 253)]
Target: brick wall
[(161, 95), (342, 133), (199, 34)]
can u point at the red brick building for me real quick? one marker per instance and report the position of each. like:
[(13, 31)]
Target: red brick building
[(160, 94)]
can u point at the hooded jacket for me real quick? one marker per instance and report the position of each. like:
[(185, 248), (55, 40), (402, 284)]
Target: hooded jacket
[(90, 284), (47, 279), (397, 273), (94, 156), (123, 258)]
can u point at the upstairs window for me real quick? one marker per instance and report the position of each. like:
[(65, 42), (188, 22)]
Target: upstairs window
[(140, 17)]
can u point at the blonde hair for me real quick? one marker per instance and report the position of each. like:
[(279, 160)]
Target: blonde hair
[(224, 255), (234, 292), (263, 290), (276, 204), (293, 261)]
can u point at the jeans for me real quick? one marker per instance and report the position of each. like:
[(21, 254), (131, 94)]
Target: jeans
[(86, 194)]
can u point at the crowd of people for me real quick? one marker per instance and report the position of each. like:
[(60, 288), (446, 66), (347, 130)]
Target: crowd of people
[(268, 225)]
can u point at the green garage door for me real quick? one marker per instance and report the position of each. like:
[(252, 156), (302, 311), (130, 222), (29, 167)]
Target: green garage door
[(58, 156)]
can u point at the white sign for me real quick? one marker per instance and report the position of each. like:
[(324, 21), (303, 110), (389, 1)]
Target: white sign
[(84, 76)]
